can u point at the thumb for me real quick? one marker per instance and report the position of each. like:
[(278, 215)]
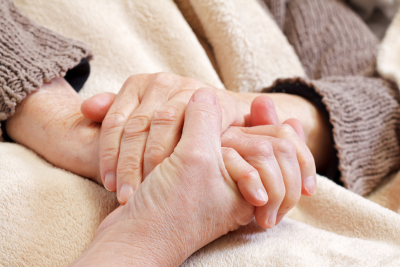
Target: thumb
[(202, 125), (263, 111), (96, 107)]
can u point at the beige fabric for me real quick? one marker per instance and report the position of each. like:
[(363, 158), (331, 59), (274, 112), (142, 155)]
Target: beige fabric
[(48, 216), (249, 47), (389, 52)]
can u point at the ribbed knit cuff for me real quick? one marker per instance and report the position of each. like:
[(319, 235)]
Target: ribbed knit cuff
[(364, 116), (29, 56)]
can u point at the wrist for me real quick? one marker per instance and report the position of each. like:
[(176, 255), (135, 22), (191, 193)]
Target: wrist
[(50, 123), (133, 241), (315, 125)]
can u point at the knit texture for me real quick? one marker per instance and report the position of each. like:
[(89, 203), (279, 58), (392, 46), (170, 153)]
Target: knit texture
[(329, 38), (332, 41), (365, 132), (29, 56)]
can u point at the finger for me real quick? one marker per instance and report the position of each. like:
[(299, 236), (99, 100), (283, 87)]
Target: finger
[(96, 107), (132, 148), (136, 131), (165, 132), (245, 176), (259, 154), (263, 111), (297, 127), (202, 126), (285, 153), (112, 129), (304, 156)]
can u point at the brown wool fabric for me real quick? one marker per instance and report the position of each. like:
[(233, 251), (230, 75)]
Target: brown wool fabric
[(29, 56), (338, 53), (365, 132), (329, 38)]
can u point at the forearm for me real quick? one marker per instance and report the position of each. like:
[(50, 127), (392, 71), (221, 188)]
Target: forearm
[(50, 123)]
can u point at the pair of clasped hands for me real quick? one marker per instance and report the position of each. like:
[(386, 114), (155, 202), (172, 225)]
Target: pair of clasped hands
[(142, 125)]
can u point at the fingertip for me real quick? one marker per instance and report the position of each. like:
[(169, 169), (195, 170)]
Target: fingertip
[(257, 197), (110, 182), (263, 111), (309, 186), (96, 107), (124, 193)]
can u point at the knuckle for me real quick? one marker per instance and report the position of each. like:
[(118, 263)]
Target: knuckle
[(154, 153), (285, 146), (292, 197), (249, 173), (307, 159), (137, 124), (278, 194), (262, 148), (130, 165), (113, 119), (194, 83), (285, 130), (166, 115), (109, 153), (229, 153), (164, 79)]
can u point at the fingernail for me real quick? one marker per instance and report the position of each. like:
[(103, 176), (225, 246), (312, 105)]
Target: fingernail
[(205, 96), (125, 192), (272, 219), (261, 195), (109, 182), (279, 217), (310, 184)]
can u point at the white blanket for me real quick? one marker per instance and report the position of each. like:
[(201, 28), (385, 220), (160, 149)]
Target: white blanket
[(49, 216)]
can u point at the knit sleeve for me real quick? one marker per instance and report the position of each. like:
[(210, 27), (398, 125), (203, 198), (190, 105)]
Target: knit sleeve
[(364, 114), (29, 56), (329, 38)]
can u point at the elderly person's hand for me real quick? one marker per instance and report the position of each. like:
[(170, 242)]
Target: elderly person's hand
[(144, 123), (186, 202), (143, 126), (50, 123)]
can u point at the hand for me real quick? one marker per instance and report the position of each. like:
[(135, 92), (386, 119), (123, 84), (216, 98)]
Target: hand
[(274, 157), (278, 157), (272, 166), (143, 126), (50, 123), (186, 202)]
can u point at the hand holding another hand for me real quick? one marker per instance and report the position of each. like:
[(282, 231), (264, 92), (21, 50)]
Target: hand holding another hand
[(273, 165)]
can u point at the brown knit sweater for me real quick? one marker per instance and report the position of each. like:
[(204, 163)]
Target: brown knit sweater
[(338, 52), (29, 56)]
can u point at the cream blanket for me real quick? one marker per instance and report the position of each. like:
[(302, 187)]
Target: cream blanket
[(49, 216)]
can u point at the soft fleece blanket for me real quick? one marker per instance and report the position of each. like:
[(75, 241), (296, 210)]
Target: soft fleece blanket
[(49, 216)]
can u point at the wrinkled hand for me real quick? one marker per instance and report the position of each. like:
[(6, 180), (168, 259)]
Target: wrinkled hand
[(50, 123), (186, 202), (281, 166), (143, 126)]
